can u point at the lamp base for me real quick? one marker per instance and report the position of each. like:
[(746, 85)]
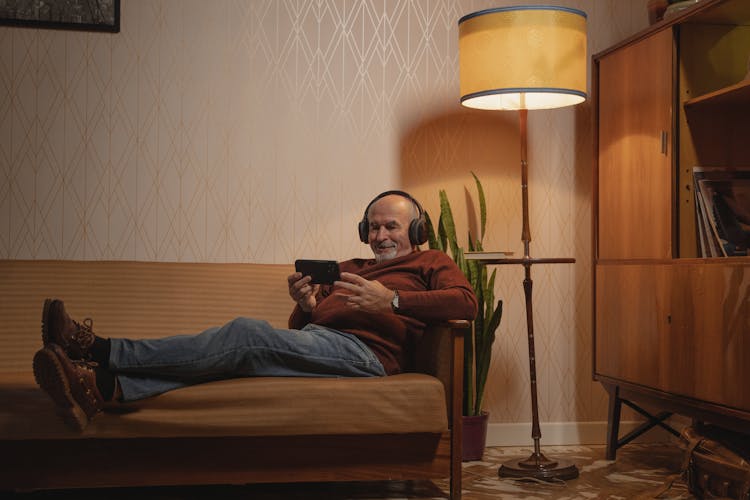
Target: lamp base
[(537, 466)]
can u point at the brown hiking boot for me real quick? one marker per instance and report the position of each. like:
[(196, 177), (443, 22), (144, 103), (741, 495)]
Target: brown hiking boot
[(70, 383), (58, 328)]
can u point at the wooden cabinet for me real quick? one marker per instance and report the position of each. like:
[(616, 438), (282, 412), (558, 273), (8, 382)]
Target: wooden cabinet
[(671, 329)]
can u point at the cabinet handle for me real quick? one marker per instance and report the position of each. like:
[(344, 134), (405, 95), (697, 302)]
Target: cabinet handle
[(664, 139)]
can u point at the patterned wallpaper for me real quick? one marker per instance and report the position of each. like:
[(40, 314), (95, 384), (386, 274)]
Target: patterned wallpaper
[(257, 131)]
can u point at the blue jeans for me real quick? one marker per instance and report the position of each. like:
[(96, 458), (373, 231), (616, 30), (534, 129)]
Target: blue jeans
[(243, 347)]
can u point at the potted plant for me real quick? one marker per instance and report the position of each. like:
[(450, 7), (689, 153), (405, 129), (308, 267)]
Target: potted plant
[(478, 348)]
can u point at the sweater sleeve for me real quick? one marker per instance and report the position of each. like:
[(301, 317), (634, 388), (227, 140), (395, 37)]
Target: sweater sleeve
[(298, 318), (450, 296), (438, 305)]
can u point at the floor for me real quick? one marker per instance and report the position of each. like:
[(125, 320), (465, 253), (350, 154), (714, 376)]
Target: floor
[(639, 472)]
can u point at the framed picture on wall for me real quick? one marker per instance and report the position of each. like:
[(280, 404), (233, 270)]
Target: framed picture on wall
[(84, 15)]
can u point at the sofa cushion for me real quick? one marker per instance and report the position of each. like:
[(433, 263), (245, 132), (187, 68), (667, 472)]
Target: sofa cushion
[(404, 403)]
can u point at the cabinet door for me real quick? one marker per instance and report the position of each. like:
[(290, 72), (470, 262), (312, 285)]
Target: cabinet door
[(633, 304), (708, 355), (635, 150)]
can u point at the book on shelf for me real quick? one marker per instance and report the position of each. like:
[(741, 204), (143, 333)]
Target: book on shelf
[(722, 211)]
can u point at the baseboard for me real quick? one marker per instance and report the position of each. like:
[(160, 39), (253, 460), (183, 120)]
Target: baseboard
[(567, 433)]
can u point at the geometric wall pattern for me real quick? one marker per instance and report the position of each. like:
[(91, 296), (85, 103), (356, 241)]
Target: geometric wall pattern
[(257, 131)]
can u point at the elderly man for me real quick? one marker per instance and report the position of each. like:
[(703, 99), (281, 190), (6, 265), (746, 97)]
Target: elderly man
[(363, 325)]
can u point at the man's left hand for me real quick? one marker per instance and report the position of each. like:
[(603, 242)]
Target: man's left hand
[(364, 295)]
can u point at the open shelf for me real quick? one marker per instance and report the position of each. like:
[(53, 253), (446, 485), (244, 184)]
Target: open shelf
[(734, 95)]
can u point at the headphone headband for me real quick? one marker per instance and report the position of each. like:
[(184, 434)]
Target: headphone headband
[(400, 193)]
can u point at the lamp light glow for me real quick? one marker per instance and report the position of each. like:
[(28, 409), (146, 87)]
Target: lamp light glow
[(526, 57)]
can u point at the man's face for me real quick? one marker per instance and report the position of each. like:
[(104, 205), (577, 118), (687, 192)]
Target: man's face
[(389, 219)]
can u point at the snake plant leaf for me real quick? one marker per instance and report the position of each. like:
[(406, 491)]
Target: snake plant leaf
[(489, 295), (479, 292), (474, 274), (473, 268), (483, 349), (484, 356), (432, 238), (461, 261), (442, 236), (495, 319), (446, 215), (482, 207)]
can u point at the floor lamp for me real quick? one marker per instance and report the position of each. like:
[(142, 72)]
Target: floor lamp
[(522, 58)]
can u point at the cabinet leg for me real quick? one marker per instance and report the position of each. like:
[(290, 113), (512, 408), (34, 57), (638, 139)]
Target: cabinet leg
[(613, 421)]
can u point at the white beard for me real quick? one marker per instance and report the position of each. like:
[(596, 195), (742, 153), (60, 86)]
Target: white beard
[(387, 255)]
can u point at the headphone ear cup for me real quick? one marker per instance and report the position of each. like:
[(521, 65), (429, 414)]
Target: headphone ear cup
[(364, 232), (418, 230)]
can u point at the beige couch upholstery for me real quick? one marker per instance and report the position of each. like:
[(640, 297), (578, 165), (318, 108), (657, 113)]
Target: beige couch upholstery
[(233, 431)]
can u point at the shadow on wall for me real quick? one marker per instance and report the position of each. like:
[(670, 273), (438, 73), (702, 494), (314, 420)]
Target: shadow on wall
[(441, 153)]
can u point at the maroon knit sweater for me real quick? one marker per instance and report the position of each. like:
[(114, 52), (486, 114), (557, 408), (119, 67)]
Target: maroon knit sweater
[(430, 287)]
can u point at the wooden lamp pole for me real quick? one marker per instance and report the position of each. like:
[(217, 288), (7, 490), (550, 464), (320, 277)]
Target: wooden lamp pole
[(537, 465)]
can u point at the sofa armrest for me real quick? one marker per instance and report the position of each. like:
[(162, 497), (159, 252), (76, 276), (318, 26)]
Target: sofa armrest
[(440, 353)]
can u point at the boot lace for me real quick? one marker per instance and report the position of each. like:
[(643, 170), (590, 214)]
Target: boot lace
[(84, 334)]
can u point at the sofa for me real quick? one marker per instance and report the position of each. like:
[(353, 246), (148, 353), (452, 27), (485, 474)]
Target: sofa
[(401, 427)]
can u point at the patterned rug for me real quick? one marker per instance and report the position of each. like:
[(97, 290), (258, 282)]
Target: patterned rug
[(640, 472)]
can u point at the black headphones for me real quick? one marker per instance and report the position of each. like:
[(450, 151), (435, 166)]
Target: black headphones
[(417, 227)]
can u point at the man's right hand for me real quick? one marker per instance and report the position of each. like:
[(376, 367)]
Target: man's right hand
[(302, 291)]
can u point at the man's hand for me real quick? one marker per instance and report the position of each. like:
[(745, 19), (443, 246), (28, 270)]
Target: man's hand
[(365, 295), (302, 291)]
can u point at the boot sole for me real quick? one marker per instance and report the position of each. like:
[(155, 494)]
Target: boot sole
[(50, 376)]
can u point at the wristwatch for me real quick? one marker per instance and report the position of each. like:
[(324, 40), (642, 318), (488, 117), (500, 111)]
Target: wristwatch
[(394, 302)]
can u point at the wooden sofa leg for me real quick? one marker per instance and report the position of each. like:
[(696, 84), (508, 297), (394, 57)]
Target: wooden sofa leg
[(456, 402), (455, 483)]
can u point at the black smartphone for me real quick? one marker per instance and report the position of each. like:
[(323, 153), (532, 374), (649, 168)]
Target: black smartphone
[(322, 271)]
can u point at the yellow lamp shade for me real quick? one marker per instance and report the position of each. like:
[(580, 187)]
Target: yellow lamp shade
[(526, 57)]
